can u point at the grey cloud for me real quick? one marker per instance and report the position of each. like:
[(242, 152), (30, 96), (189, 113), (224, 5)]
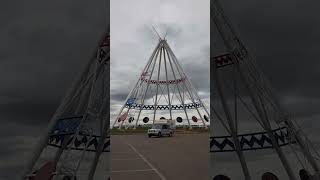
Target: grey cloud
[(44, 44), (134, 42)]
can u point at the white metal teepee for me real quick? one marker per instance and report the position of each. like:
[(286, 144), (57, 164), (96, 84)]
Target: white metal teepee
[(78, 133), (163, 91), (247, 119)]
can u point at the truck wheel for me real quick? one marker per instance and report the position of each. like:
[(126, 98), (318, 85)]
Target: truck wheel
[(149, 135)]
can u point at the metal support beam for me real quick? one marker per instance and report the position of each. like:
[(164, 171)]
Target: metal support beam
[(135, 86), (233, 130), (145, 93), (182, 75), (169, 100), (182, 99), (42, 143), (157, 91)]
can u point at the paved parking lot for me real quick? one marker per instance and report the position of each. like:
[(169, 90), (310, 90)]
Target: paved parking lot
[(181, 157)]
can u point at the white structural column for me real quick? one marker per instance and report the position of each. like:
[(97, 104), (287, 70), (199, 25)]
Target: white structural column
[(84, 93), (98, 72), (83, 100), (297, 133), (232, 127), (42, 143), (161, 84), (167, 83), (185, 84), (121, 123), (259, 106), (103, 136), (148, 84), (182, 99), (234, 46), (138, 88), (136, 84), (119, 114), (192, 87), (157, 91)]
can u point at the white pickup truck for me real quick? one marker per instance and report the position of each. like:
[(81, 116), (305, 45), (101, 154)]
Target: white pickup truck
[(161, 129)]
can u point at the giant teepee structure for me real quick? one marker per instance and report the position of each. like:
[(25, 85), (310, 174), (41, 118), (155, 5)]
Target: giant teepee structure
[(163, 91), (246, 117), (78, 133)]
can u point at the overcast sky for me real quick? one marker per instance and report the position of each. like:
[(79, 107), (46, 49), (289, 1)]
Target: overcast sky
[(44, 44), (283, 37), (187, 23)]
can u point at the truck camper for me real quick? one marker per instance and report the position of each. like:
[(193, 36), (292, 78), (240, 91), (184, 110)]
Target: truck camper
[(162, 127)]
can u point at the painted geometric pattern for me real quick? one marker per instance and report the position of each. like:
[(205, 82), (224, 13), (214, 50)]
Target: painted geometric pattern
[(252, 141), (80, 142), (164, 107), (66, 125), (226, 59), (163, 82), (223, 60)]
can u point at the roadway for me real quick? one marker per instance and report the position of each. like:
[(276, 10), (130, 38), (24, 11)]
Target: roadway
[(181, 157)]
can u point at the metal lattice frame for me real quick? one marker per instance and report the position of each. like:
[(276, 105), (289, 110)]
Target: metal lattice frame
[(265, 108), (164, 107), (251, 141), (80, 141), (81, 122), (164, 82)]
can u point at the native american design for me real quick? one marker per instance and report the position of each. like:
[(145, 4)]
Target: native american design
[(163, 90), (80, 126), (240, 94)]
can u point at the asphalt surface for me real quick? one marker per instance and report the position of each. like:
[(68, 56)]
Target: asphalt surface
[(181, 157)]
